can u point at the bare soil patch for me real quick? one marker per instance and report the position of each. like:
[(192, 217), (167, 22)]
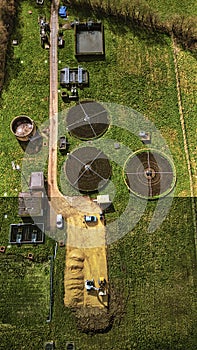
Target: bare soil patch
[(85, 259)]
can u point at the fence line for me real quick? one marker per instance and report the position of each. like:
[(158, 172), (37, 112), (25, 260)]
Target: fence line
[(185, 141), (51, 289)]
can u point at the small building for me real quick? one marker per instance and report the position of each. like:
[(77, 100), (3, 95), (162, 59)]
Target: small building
[(26, 233), (62, 143), (61, 42), (37, 181), (145, 137), (31, 204), (103, 201), (89, 40), (74, 76)]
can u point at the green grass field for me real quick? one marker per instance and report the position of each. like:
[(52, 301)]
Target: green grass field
[(152, 274), (31, 292), (164, 8), (26, 91), (187, 69)]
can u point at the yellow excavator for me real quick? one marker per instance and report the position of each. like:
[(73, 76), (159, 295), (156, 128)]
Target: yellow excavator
[(102, 286)]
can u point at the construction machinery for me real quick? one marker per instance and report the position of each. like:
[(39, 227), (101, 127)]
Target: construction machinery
[(89, 285), (102, 286), (102, 289)]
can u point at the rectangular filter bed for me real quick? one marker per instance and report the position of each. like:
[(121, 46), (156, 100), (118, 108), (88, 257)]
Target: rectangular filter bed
[(89, 39)]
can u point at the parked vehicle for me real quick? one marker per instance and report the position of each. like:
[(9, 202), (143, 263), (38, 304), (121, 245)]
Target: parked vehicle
[(90, 218), (59, 221), (63, 11), (62, 143), (89, 285), (60, 41)]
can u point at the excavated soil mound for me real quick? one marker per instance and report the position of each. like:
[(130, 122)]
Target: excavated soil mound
[(93, 320), (96, 320), (74, 278)]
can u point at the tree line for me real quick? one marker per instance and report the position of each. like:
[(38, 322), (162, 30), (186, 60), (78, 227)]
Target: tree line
[(136, 12), (7, 13), (139, 13)]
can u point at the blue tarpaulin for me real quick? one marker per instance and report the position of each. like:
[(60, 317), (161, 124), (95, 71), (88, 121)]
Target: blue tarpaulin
[(62, 11)]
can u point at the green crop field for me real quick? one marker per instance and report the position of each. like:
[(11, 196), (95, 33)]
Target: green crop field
[(152, 273)]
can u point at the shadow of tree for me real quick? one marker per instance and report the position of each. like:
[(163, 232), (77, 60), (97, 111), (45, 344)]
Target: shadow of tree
[(12, 65)]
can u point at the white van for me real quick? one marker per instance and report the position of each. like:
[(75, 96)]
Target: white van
[(59, 221)]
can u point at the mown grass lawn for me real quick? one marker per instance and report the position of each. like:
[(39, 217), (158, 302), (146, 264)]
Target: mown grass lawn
[(160, 280)]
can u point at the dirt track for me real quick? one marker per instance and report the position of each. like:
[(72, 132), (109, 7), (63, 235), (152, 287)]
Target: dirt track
[(85, 249)]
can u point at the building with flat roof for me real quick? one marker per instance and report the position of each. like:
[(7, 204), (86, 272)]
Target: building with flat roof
[(31, 204), (89, 40), (36, 181), (26, 233), (74, 76), (103, 201)]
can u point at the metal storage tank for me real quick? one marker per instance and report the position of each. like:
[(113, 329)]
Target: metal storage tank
[(23, 127)]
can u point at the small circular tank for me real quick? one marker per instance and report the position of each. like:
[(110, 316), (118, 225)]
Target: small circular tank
[(23, 127)]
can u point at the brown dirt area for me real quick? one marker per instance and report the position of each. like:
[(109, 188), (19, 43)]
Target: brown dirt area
[(85, 259)]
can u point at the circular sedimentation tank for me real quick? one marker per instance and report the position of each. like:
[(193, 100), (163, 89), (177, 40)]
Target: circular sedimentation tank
[(149, 174), (87, 120), (87, 169), (23, 127)]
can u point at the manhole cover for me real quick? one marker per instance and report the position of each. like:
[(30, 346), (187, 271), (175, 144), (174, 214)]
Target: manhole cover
[(70, 347)]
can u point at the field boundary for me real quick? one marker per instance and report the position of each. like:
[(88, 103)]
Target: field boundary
[(51, 258), (185, 141)]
